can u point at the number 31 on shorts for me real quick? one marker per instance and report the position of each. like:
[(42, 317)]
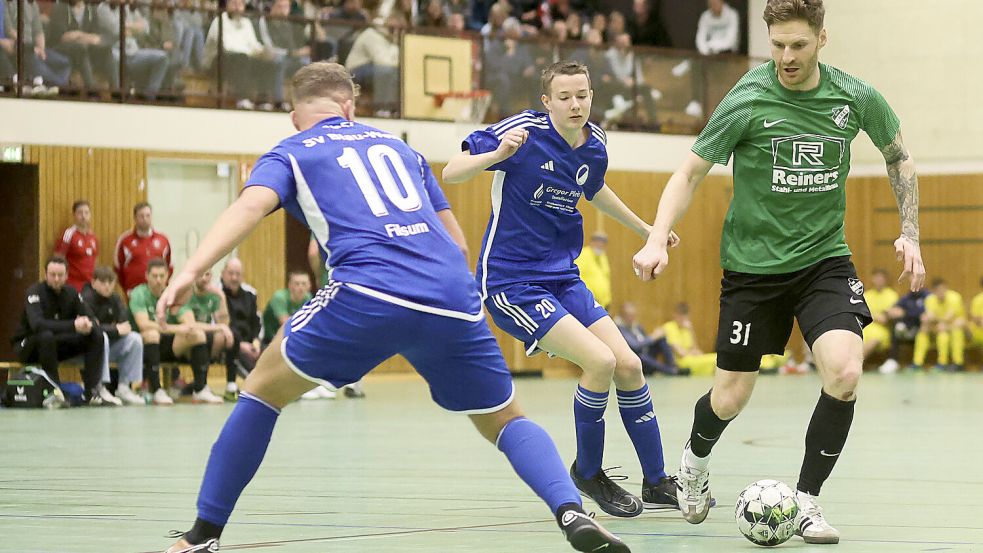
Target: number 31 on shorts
[(741, 334)]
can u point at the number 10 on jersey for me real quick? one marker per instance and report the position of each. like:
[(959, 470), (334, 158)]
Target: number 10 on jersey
[(384, 160)]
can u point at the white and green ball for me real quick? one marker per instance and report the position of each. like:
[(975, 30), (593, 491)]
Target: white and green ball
[(766, 512)]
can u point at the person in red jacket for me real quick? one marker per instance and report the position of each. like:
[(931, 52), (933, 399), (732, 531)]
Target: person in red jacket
[(136, 247), (79, 246)]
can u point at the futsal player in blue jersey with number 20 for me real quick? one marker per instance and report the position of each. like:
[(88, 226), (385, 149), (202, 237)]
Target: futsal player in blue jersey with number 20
[(398, 285), (544, 163)]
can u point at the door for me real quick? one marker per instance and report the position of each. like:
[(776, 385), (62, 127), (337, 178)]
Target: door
[(19, 246)]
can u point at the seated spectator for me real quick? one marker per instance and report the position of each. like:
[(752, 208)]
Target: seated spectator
[(211, 314), (125, 346), (285, 38), (374, 63), (628, 72), (976, 319), (880, 298), (43, 65), (599, 22), (718, 30), (74, 30), (510, 71), (189, 26), (615, 26), (175, 340), (648, 347), (8, 52), (163, 34), (495, 27), (285, 302), (55, 326), (906, 320), (945, 318), (79, 246), (575, 27), (434, 14), (528, 12), (350, 10), (646, 25), (240, 298), (595, 269), (146, 67), (249, 68), (679, 334)]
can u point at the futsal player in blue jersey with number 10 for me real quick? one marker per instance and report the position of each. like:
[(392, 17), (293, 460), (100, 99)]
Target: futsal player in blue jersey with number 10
[(398, 285), (544, 164)]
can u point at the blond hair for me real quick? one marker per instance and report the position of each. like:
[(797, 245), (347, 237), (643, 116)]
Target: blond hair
[(323, 79)]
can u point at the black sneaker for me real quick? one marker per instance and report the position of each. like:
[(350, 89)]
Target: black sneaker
[(584, 534), (661, 495), (610, 497)]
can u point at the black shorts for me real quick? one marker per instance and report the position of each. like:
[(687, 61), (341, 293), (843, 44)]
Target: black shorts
[(756, 311)]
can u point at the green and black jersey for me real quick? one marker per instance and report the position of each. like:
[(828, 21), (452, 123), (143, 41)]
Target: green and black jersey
[(791, 159)]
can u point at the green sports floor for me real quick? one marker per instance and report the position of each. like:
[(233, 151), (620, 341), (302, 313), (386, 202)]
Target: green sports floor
[(395, 473)]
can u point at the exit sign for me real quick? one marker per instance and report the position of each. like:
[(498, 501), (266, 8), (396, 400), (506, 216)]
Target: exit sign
[(11, 154)]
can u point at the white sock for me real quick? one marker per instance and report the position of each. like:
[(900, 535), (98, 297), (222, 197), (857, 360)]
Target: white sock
[(231, 387), (691, 460)]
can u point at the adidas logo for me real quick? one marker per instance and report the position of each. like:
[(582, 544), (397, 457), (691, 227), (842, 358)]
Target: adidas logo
[(548, 165), (646, 417)]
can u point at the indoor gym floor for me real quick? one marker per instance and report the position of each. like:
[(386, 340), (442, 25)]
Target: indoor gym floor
[(395, 473)]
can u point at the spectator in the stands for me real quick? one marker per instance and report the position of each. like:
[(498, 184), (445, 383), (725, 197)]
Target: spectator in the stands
[(719, 29), (646, 27), (652, 348), (285, 38), (79, 246), (43, 65), (616, 26), (56, 326), (146, 67), (250, 69), (74, 30), (136, 247), (374, 63), (125, 346)]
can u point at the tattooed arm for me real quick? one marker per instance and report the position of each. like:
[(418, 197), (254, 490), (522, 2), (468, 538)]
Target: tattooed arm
[(904, 182)]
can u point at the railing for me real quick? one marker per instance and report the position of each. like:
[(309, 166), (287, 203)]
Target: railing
[(185, 54)]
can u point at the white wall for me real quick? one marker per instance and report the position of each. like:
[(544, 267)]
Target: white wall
[(925, 57)]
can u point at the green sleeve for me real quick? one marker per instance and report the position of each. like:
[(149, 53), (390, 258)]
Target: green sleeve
[(877, 118), (138, 303), (280, 305), (726, 125)]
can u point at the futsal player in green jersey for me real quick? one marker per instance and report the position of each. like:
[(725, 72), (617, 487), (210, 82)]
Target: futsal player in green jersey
[(789, 124)]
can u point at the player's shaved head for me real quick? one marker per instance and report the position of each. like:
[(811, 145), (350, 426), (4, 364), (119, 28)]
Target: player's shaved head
[(811, 11)]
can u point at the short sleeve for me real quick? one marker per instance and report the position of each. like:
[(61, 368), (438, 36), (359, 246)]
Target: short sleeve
[(138, 303), (274, 171), (595, 179), (279, 305), (482, 142), (726, 125), (432, 187), (877, 118)]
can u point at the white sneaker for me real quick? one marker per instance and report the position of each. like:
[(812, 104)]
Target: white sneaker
[(320, 392), (694, 109), (129, 397), (810, 523), (692, 491), (108, 398), (889, 367), (161, 397), (206, 396), (245, 104)]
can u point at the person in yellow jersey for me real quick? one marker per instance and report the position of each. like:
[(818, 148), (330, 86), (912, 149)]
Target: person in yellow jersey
[(595, 270), (945, 318), (679, 334), (976, 318), (880, 299)]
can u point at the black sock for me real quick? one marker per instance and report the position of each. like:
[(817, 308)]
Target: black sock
[(567, 507), (151, 366), (203, 531), (707, 427), (230, 364), (825, 439), (199, 366)]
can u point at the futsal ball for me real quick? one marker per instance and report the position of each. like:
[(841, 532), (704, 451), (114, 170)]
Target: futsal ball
[(766, 512)]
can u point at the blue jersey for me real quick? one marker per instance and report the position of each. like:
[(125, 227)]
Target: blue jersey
[(370, 201), (535, 230)]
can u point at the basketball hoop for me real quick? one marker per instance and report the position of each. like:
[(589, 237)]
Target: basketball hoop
[(465, 107)]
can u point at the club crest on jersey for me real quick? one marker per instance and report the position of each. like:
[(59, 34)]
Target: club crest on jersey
[(841, 116), (856, 286), (582, 173)]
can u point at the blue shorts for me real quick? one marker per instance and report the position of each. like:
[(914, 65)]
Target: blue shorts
[(529, 311), (342, 334)]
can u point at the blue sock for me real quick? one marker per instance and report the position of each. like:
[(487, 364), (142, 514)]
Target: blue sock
[(638, 414), (535, 459), (588, 415), (235, 457)]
